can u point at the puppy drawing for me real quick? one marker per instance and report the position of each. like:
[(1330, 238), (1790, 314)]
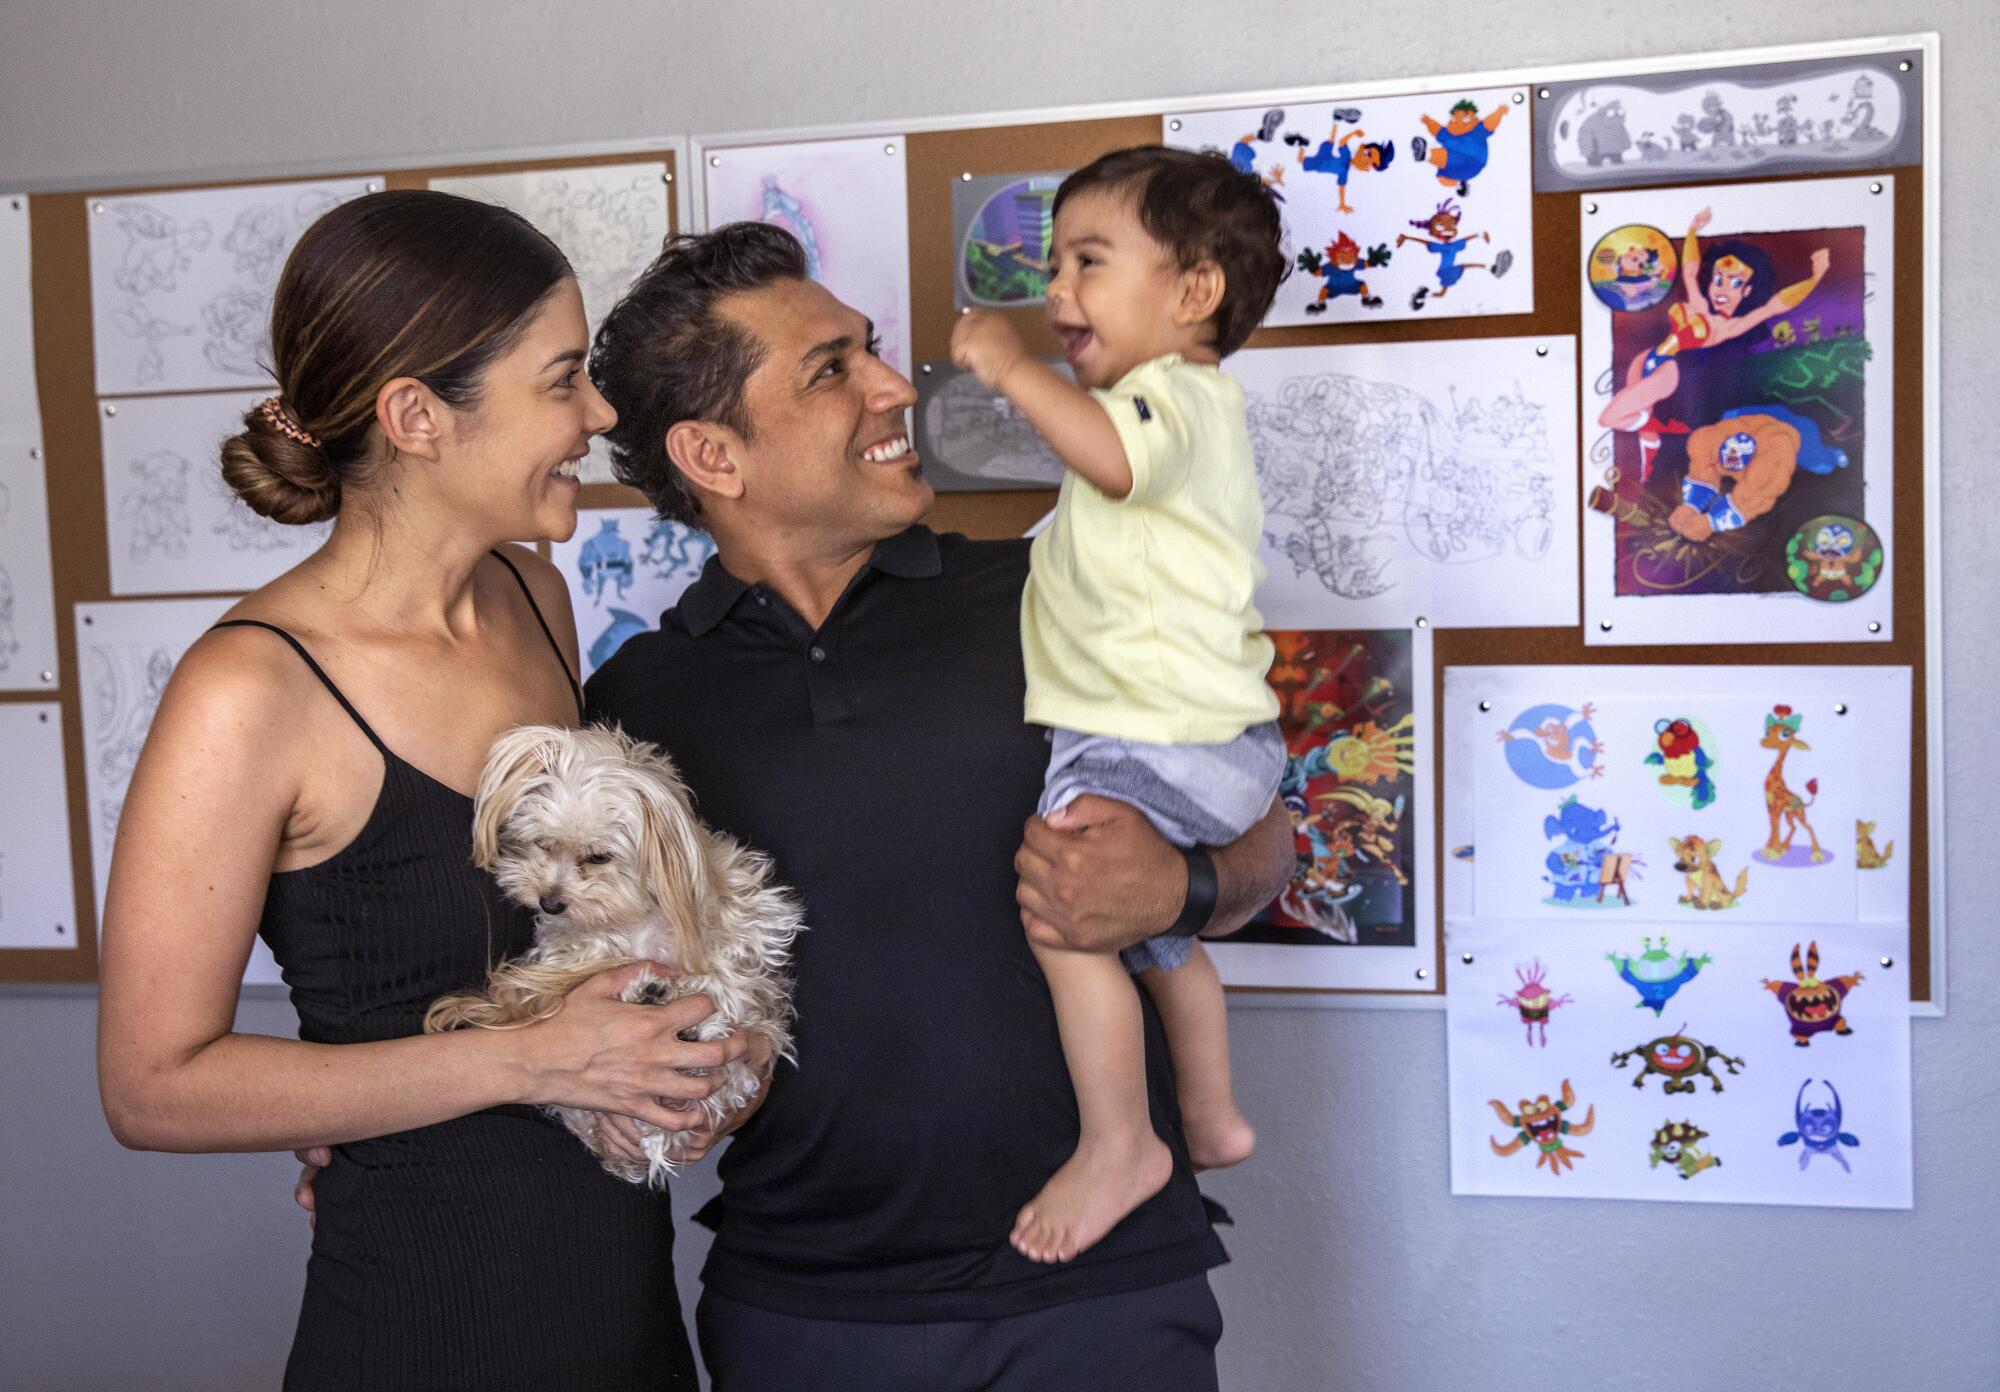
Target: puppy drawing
[(592, 830), (1706, 889)]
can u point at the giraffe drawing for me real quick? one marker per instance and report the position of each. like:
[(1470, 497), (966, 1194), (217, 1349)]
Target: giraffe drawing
[(1787, 808)]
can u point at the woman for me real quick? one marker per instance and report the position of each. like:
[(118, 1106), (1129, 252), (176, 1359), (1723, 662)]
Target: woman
[(305, 780)]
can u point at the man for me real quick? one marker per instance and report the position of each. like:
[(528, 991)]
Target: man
[(843, 689)]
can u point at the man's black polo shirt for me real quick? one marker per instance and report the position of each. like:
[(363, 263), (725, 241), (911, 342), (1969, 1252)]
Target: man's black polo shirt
[(884, 765)]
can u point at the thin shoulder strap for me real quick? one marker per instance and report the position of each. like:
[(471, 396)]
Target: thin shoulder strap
[(554, 646), (325, 680)]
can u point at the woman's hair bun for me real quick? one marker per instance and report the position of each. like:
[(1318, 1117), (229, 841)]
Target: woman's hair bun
[(279, 475)]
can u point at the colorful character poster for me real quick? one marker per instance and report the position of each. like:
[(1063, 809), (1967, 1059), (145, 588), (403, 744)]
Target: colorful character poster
[(848, 204), (181, 282), (172, 524), (610, 221), (1738, 477), (625, 567), (1412, 207), (1816, 116), (1354, 707), (1415, 481), (1663, 957), (1002, 234), (126, 653), (37, 887)]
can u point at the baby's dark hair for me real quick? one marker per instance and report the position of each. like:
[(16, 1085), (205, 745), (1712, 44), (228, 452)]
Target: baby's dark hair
[(1201, 208)]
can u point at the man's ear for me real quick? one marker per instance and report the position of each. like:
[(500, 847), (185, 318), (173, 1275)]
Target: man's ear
[(705, 453), (1202, 287), (411, 417)]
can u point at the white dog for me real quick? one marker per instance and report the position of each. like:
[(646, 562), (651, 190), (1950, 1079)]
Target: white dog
[(592, 829)]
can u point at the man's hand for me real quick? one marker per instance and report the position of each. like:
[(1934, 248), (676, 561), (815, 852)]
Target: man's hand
[(1096, 877), (985, 344), (619, 1135)]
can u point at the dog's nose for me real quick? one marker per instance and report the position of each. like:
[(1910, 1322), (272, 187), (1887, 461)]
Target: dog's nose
[(552, 905)]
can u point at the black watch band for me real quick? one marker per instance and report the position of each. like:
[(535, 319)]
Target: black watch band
[(1199, 906)]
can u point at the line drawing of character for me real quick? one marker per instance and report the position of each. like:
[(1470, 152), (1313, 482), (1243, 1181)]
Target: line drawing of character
[(1730, 291), (157, 248), (238, 324), (1818, 1129), (127, 682), (259, 240), (1716, 123), (609, 231), (1340, 155), (606, 559), (136, 321), (786, 211), (1340, 270), (244, 531), (9, 644), (312, 205), (676, 550), (1445, 244), (981, 433), (1460, 151), (157, 506)]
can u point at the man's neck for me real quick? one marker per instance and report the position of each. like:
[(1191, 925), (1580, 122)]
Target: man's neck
[(810, 576)]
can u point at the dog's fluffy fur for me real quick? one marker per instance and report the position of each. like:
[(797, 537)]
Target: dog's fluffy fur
[(592, 830)]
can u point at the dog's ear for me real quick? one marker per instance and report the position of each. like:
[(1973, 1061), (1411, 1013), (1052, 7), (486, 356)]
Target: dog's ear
[(672, 854), (517, 758), (1714, 849)]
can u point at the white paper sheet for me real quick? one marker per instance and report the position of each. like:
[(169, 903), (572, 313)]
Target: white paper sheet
[(1314, 158), (610, 221), (1593, 1017), (848, 204), (625, 568), (125, 653), (1407, 480), (1763, 773), (181, 283), (27, 589), (1808, 387), (1356, 713), (37, 884), (172, 525), (20, 409)]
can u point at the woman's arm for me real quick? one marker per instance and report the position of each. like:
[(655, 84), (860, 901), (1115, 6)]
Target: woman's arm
[(214, 792)]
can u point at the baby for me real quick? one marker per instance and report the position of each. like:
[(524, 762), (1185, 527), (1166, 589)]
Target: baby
[(1145, 654)]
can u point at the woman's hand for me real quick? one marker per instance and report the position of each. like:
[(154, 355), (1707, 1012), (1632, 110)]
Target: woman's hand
[(314, 1159), (603, 1054)]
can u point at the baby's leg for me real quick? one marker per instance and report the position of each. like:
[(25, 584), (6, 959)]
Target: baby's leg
[(1118, 1163), (1196, 1019)]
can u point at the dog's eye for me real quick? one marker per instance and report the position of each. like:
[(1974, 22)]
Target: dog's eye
[(598, 858)]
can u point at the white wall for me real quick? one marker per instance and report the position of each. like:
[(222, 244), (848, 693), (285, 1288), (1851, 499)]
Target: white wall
[(1354, 1268)]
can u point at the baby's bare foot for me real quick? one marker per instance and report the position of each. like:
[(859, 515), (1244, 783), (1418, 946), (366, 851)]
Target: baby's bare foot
[(1085, 1199), (1217, 1137)]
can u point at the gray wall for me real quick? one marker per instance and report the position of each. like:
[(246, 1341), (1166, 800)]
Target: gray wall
[(1354, 1267)]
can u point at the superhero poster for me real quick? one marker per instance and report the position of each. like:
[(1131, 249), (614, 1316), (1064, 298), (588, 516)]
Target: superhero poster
[(1738, 478), (1354, 711)]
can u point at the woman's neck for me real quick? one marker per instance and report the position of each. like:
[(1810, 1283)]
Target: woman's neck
[(402, 572)]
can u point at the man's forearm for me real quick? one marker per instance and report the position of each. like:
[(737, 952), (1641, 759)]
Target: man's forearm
[(1251, 871)]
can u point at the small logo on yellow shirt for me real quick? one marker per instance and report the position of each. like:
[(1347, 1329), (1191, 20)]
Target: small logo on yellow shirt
[(1139, 405)]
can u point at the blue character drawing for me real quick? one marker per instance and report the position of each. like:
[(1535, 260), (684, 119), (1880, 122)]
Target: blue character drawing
[(1582, 866), (1341, 155), (606, 559), (1460, 152), (1341, 269), (1243, 154), (621, 624), (1819, 1130), (1445, 243), (787, 212), (1553, 747), (1656, 974), (676, 550)]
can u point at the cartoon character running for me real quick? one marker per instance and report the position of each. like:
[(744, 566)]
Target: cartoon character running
[(1244, 153), (1460, 151), (1341, 270), (1730, 291), (1339, 154), (1445, 244)]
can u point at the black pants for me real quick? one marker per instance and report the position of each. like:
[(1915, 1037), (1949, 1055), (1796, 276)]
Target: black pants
[(1157, 1340)]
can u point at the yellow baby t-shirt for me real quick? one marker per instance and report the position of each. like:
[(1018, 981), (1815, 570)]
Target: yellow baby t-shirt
[(1138, 620)]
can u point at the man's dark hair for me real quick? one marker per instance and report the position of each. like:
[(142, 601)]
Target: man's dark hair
[(1201, 208), (666, 354)]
